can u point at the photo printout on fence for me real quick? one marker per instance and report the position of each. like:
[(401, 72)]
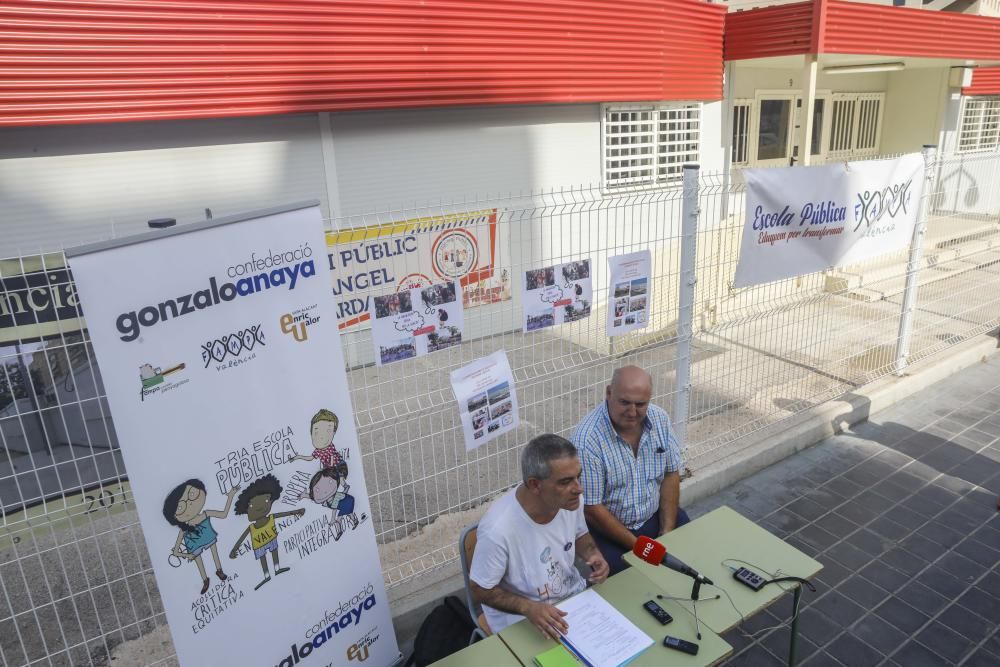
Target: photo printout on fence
[(629, 292), (487, 401), (225, 378), (414, 322), (400, 255), (556, 295), (800, 220)]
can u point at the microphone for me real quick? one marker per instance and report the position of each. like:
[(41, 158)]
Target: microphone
[(655, 553)]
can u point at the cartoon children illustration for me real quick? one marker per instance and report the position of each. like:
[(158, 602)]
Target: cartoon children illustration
[(184, 507), (323, 427), (325, 489), (255, 502)]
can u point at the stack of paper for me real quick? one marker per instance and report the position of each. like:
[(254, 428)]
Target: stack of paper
[(599, 635)]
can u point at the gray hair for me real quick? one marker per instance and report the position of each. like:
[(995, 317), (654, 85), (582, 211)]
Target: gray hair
[(540, 451)]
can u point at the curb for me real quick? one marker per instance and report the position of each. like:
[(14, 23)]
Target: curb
[(773, 444)]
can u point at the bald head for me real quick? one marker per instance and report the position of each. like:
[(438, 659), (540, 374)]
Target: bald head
[(631, 376), (628, 398)]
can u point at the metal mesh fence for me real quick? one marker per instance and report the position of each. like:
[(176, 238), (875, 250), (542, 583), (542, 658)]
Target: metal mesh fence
[(75, 577)]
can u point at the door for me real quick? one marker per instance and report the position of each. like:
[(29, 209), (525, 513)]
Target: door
[(773, 129), (820, 128)]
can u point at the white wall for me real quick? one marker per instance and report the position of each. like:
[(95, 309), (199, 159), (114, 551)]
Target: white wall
[(748, 80), (913, 107), (64, 185), (398, 159), (967, 180)]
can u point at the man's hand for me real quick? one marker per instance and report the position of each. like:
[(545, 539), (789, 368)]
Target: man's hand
[(598, 568), (548, 619)]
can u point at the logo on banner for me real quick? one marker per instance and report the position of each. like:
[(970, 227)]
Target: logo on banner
[(333, 622), (275, 271), (297, 323), (454, 253), (359, 650), (233, 349), (873, 205), (156, 380)]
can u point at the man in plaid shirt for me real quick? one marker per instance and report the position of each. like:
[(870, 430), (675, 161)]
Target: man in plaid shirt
[(631, 467)]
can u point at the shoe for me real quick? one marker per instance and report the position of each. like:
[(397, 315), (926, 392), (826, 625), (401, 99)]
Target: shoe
[(221, 575), (353, 518), (204, 586), (266, 579), (280, 570)]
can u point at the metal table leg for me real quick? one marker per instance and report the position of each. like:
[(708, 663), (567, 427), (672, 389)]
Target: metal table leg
[(795, 626)]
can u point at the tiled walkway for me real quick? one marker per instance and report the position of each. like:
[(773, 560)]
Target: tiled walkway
[(902, 512)]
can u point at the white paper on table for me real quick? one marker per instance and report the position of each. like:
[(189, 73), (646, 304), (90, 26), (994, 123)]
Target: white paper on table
[(487, 401), (600, 633), (630, 292)]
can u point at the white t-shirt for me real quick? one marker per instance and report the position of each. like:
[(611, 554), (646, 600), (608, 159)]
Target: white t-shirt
[(530, 559)]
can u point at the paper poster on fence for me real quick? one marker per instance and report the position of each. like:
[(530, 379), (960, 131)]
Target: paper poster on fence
[(629, 292), (801, 220), (487, 401), (226, 382), (556, 295), (416, 253), (415, 322)]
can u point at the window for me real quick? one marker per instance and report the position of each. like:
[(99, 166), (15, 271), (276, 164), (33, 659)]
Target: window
[(856, 126), (980, 129), (740, 150), (773, 128), (649, 144)]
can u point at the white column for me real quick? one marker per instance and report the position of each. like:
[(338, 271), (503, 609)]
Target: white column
[(329, 165), (807, 111)]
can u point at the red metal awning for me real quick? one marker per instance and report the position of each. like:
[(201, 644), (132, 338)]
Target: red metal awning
[(843, 27), (985, 81), (79, 61)]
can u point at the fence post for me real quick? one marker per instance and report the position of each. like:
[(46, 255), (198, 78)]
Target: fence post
[(685, 301), (913, 265)]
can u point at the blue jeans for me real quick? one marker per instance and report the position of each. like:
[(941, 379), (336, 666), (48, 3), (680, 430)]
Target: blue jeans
[(613, 552)]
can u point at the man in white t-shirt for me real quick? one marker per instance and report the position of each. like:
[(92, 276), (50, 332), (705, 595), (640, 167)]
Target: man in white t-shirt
[(529, 539)]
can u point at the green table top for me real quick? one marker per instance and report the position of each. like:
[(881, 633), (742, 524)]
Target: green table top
[(708, 540), (486, 652), (626, 592)]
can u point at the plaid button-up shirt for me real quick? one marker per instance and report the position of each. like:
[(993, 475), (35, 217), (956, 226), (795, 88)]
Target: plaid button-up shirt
[(627, 484)]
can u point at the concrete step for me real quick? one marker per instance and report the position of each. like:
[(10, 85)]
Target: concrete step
[(934, 268), (943, 235), (857, 277)]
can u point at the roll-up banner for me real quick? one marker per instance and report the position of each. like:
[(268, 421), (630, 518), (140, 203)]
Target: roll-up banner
[(219, 350), (801, 220)]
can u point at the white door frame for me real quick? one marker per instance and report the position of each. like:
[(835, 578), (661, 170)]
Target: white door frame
[(794, 96), (824, 135), (760, 96)]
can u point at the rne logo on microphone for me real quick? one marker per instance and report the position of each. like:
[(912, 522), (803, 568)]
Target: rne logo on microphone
[(647, 549)]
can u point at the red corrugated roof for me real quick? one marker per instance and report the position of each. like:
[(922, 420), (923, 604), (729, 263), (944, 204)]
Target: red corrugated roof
[(779, 30), (861, 28), (855, 27), (74, 61), (985, 81)]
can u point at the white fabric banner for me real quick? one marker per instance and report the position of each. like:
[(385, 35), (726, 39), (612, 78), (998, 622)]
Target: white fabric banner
[(801, 220), (220, 353)]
